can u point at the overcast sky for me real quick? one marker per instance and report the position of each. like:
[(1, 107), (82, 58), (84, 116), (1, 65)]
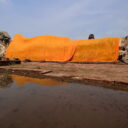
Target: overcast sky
[(75, 19)]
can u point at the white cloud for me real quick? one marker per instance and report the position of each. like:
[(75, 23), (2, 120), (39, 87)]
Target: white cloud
[(76, 20)]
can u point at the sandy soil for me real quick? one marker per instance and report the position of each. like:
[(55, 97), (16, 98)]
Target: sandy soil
[(107, 75)]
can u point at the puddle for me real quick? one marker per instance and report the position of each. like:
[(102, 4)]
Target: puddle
[(5, 81), (47, 103), (22, 80)]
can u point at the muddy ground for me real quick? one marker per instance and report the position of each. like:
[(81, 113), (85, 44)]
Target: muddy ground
[(107, 74), (30, 102)]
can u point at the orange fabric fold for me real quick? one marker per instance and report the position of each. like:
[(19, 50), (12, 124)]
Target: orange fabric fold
[(41, 48), (53, 48), (97, 50)]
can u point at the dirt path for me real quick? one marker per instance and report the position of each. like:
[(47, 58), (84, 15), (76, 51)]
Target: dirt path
[(107, 75)]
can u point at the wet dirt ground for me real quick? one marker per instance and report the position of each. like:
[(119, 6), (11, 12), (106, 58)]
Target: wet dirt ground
[(27, 102), (102, 74)]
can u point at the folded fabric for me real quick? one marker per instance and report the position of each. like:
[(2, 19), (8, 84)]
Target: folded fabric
[(53, 48), (97, 50), (41, 48)]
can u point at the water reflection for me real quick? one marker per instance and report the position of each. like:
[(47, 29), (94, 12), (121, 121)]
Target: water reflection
[(5, 81), (72, 106), (22, 80)]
